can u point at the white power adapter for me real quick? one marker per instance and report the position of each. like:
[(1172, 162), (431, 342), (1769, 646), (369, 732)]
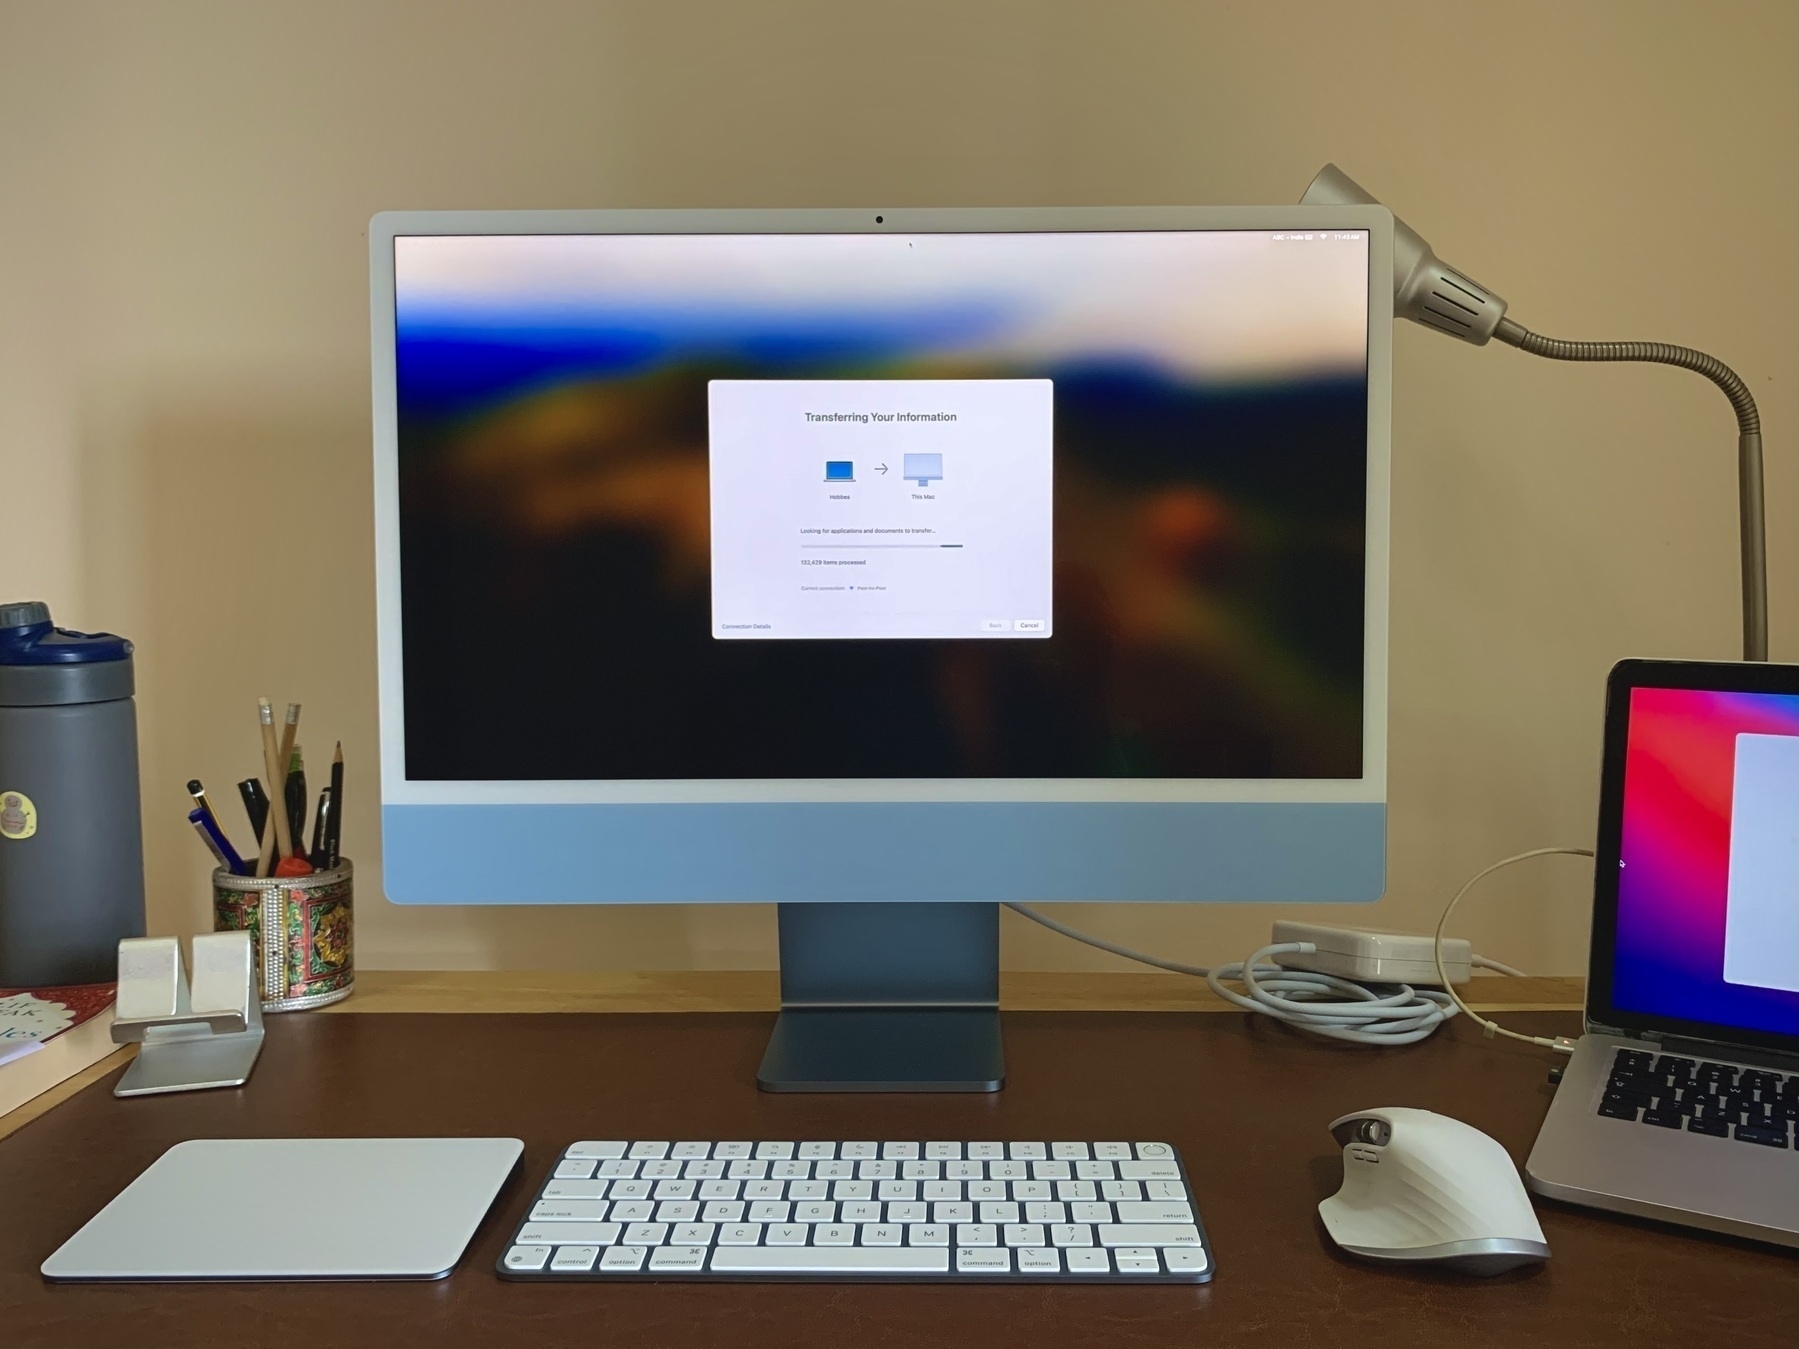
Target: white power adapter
[(1372, 956)]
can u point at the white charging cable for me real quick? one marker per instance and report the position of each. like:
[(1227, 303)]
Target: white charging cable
[(1314, 1002), (1561, 1043), (1326, 1004)]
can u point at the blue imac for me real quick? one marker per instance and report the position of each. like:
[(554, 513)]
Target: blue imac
[(1098, 613)]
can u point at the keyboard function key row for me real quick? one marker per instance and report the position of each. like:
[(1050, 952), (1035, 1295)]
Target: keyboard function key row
[(618, 1149)]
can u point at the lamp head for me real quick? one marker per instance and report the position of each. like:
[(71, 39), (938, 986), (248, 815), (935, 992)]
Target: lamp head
[(1424, 289)]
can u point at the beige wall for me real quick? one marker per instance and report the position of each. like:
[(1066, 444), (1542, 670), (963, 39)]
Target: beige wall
[(183, 342)]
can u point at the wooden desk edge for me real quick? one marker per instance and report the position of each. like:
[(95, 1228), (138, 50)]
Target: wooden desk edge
[(509, 991), (759, 991)]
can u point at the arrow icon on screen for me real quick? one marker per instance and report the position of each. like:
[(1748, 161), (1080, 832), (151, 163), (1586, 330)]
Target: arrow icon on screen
[(881, 469)]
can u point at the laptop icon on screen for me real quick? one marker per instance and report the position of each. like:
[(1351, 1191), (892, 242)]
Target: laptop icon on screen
[(840, 470)]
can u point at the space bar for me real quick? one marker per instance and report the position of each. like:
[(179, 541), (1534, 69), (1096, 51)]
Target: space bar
[(830, 1260)]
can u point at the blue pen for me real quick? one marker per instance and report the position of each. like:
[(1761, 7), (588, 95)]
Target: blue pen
[(215, 841)]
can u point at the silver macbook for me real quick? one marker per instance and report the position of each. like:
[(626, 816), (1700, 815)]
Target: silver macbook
[(1680, 1099)]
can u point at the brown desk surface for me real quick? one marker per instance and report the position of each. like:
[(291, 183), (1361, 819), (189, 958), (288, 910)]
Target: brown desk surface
[(461, 991), (1246, 1103)]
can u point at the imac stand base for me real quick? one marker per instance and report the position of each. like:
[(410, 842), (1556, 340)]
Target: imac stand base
[(887, 998), (885, 1049)]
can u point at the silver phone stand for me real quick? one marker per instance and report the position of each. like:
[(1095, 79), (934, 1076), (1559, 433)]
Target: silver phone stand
[(190, 1038)]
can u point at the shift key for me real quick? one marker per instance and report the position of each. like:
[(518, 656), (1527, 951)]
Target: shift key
[(562, 1234), (1147, 1234)]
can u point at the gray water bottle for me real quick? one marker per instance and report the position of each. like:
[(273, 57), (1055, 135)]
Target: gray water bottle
[(71, 841)]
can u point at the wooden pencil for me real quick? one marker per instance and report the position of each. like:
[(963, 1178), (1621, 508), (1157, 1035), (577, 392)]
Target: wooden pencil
[(265, 855), (271, 763), (288, 732)]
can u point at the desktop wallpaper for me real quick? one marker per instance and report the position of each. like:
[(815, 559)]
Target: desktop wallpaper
[(1210, 476), (1675, 857)]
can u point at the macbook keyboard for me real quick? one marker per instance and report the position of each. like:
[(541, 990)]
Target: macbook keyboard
[(1063, 1212), (1723, 1100)]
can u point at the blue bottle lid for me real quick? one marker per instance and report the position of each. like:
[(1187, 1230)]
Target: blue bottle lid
[(28, 637)]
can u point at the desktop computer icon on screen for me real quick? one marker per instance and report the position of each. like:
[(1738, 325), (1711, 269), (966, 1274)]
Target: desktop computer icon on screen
[(629, 654), (924, 469)]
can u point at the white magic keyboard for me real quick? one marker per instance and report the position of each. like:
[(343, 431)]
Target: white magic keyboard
[(864, 1212)]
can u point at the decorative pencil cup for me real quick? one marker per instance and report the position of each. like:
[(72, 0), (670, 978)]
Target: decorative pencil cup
[(300, 933)]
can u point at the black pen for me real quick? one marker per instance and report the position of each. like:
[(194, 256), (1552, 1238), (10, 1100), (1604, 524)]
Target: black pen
[(256, 805), (321, 829), (293, 793), (334, 829)]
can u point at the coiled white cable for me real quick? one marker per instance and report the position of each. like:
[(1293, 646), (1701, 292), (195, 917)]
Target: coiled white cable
[(1315, 1002), (1324, 1004)]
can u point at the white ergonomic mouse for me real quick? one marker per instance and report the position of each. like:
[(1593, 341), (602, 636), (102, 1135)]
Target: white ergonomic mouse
[(1421, 1186)]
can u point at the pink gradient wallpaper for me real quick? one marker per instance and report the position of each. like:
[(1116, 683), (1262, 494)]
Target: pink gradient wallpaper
[(1675, 857)]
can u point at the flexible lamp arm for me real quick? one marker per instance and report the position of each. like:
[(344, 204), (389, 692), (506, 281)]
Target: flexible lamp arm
[(1429, 292), (1751, 523)]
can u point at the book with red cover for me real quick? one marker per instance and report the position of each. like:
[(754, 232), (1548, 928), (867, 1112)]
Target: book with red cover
[(44, 1013)]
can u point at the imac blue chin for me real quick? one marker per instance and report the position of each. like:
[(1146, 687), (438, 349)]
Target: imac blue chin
[(887, 852)]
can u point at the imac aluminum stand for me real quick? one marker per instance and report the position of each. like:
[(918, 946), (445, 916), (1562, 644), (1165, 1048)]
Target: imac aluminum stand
[(887, 997)]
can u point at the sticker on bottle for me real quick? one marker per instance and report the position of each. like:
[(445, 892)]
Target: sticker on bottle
[(18, 817)]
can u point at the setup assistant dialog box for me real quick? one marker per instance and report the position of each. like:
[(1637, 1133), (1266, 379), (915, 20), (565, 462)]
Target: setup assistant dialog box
[(881, 508)]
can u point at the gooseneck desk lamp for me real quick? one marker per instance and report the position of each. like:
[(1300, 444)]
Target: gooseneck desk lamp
[(1428, 292)]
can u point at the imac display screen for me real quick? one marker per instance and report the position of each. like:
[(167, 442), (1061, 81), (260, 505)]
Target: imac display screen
[(872, 506)]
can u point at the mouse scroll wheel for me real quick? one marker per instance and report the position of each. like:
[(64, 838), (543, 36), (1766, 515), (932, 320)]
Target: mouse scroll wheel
[(1365, 1130)]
